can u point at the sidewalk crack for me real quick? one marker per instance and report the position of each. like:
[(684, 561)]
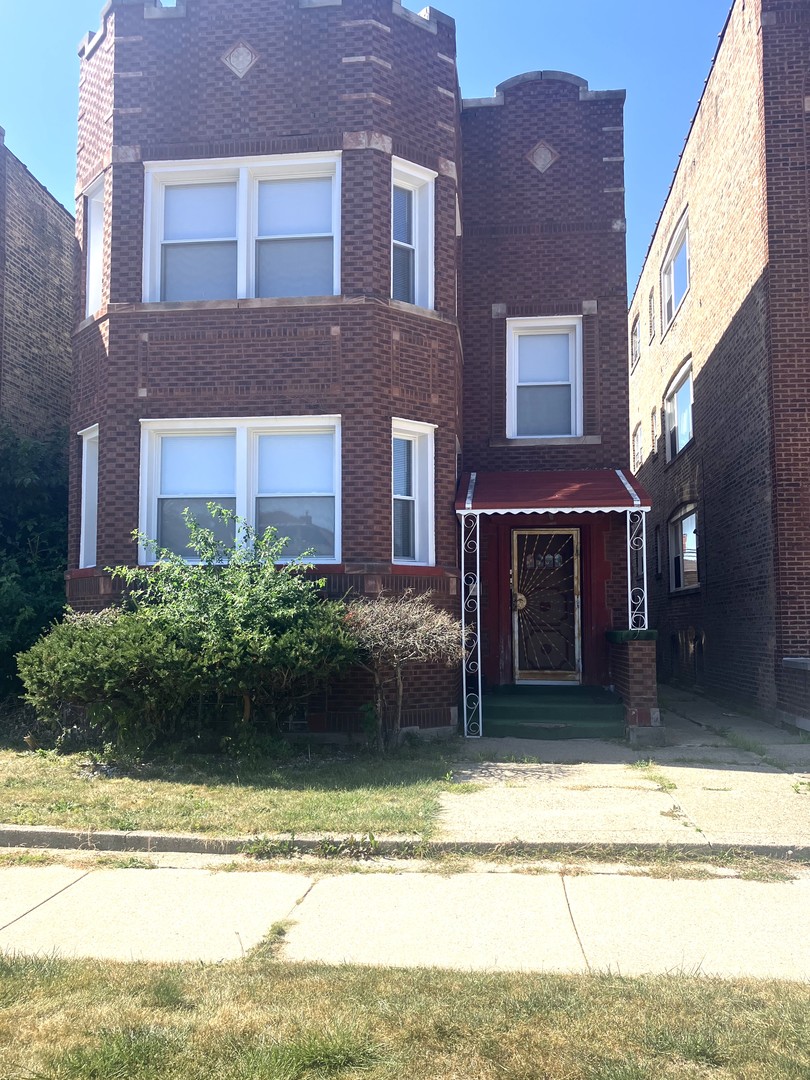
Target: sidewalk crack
[(574, 925), (47, 900)]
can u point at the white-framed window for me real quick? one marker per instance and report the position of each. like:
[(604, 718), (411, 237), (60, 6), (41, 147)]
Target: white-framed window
[(412, 233), (272, 471), (412, 497), (638, 448), (230, 228), (89, 505), (683, 550), (654, 432), (675, 272), (651, 314), (635, 342), (544, 377), (678, 410), (94, 246)]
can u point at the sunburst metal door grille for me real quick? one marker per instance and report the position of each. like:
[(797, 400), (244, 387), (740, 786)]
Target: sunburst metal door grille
[(545, 604)]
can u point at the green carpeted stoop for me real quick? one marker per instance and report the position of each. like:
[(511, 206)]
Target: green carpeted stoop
[(553, 712)]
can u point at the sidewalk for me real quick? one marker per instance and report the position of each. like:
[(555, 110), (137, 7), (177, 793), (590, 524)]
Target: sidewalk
[(704, 791)]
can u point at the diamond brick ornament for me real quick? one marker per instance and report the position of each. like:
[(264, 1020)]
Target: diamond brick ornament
[(240, 58), (542, 156)]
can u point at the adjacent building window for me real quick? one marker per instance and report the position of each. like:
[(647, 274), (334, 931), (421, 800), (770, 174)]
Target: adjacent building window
[(651, 306), (679, 413), (683, 550), (654, 432), (94, 246), (89, 507), (635, 342), (228, 229), (638, 448), (412, 228), (412, 460), (544, 377), (675, 272), (282, 472)]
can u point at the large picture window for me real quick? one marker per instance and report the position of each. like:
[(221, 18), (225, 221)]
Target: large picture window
[(412, 471), (282, 472), (544, 378), (231, 229)]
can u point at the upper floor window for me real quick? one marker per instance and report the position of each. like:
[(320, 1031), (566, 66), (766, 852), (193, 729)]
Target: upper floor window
[(654, 420), (651, 314), (94, 246), (544, 377), (412, 228), (635, 342), (675, 272), (412, 461), (228, 229), (679, 413), (683, 550), (638, 448), (272, 471)]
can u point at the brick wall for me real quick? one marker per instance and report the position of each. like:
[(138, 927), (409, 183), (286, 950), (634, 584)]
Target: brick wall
[(633, 671), (36, 301), (722, 634)]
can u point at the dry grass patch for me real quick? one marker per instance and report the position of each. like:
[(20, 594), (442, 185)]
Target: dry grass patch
[(348, 793), (65, 1020)]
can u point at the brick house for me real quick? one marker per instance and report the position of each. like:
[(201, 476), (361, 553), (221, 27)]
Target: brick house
[(719, 394), (36, 301), (322, 289)]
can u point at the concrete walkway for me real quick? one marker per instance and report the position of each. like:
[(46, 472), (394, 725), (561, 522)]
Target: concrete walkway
[(707, 790)]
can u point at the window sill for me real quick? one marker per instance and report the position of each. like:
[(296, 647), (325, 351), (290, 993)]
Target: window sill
[(689, 590), (551, 440), (226, 305), (681, 452)]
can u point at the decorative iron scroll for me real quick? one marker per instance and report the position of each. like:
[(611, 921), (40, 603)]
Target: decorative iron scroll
[(637, 592), (471, 623)]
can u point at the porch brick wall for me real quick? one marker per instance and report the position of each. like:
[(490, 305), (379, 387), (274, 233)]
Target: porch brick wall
[(633, 670), (724, 634)]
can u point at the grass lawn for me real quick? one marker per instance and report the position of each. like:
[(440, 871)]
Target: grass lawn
[(93, 1020), (355, 793)]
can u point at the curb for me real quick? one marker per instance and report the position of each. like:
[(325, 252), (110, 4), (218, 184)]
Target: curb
[(41, 836)]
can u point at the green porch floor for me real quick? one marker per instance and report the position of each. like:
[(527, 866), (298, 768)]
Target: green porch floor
[(553, 712)]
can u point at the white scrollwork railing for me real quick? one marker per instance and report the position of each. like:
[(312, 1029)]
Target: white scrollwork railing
[(637, 581), (471, 623)]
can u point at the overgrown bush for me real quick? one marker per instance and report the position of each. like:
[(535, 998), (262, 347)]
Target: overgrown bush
[(393, 632), (231, 624), (33, 543)]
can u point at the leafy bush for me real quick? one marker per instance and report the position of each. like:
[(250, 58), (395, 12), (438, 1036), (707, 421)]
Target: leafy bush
[(395, 631), (33, 530), (232, 624)]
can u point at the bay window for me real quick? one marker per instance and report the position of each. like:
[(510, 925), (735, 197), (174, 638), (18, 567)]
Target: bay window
[(412, 480), (236, 229), (412, 228)]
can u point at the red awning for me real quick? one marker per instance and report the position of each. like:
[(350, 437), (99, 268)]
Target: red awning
[(585, 492)]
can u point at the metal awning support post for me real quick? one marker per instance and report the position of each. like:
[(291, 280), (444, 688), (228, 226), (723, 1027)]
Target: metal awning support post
[(471, 622), (637, 595)]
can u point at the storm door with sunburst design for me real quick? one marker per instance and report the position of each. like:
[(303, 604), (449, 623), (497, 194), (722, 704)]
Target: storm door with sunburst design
[(545, 605)]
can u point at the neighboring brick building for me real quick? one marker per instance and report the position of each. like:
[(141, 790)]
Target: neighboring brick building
[(36, 301), (274, 311), (720, 340)]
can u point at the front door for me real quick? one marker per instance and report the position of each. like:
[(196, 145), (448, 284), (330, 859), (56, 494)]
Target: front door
[(545, 605)]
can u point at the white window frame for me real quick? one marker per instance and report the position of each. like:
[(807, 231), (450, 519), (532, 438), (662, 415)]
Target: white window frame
[(422, 436), (94, 247), (638, 447), (247, 173), (670, 414), (674, 536), (88, 541), (635, 342), (655, 417), (553, 324), (422, 182), (246, 431), (680, 238)]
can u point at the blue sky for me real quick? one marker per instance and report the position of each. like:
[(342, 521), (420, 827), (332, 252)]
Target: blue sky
[(660, 53)]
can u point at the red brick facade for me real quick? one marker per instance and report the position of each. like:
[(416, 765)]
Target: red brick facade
[(36, 301), (743, 325), (368, 81)]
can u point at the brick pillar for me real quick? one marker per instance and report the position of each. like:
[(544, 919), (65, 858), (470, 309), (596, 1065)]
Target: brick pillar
[(632, 669)]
